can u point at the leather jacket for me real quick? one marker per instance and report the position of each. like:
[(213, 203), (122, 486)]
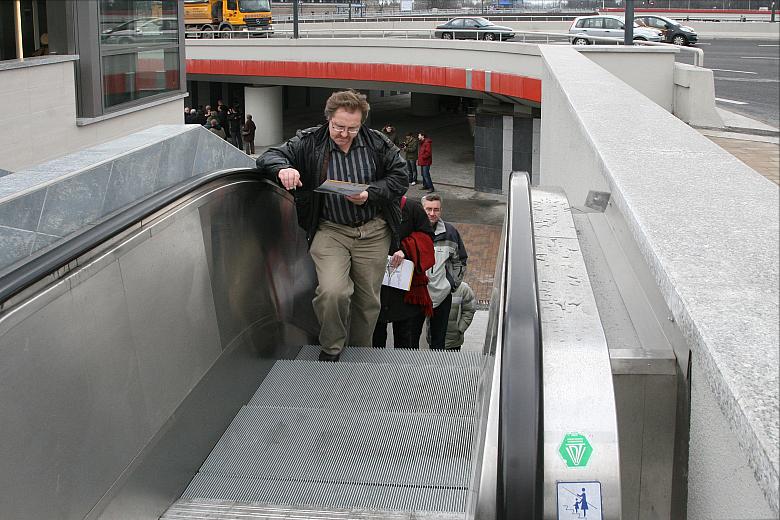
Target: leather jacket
[(306, 153)]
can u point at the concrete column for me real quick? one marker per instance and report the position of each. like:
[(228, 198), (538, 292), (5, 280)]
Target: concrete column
[(489, 152), (522, 144), (265, 106), (425, 104), (535, 146)]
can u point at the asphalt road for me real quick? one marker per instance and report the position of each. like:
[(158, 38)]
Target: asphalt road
[(746, 76)]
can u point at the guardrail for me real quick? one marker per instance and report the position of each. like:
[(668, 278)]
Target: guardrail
[(549, 37)]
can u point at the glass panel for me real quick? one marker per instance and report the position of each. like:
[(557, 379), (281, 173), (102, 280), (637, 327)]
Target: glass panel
[(611, 23), (137, 22), (127, 77), (253, 6)]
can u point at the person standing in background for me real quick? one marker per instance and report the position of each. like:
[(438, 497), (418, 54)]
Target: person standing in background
[(448, 271), (410, 147), (425, 159), (248, 135)]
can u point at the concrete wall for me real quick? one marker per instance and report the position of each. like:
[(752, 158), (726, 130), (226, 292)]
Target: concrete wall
[(707, 227), (721, 480), (654, 79), (41, 121), (694, 96)]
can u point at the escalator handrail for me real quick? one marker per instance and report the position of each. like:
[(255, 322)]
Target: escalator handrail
[(520, 464), (77, 244)]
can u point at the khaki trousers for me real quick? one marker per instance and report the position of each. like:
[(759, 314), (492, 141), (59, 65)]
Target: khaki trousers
[(350, 264)]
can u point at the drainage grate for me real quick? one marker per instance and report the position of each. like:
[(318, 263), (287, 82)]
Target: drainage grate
[(392, 430)]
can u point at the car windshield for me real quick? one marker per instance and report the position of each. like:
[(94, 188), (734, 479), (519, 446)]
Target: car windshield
[(253, 6), (482, 22)]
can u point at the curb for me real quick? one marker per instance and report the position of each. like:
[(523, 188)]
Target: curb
[(741, 130)]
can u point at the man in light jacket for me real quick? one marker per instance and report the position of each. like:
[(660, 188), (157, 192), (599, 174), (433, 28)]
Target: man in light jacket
[(448, 271)]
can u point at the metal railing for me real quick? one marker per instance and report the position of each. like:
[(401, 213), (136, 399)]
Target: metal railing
[(519, 36)]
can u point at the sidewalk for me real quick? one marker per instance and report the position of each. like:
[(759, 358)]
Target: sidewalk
[(752, 142)]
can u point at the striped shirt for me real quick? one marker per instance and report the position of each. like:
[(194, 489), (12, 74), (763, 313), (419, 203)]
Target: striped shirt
[(357, 165)]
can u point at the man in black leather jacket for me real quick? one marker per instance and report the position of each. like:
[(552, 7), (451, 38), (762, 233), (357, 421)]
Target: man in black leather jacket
[(348, 236)]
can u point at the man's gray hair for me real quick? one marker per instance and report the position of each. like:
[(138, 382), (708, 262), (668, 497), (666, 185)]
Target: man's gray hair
[(349, 100), (431, 197)]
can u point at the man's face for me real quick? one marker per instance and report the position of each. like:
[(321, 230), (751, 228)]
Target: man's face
[(433, 210), (344, 126)]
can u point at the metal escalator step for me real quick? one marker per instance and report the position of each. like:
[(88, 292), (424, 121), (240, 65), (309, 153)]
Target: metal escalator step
[(331, 446), (328, 495), (399, 356), (399, 388), (202, 509)]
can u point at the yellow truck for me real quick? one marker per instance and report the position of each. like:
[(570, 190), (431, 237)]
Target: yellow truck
[(252, 16)]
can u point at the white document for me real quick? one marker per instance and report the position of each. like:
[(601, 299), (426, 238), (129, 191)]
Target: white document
[(400, 277), (341, 188)]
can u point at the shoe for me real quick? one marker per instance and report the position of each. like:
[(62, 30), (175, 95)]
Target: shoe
[(412, 183), (431, 190), (324, 356)]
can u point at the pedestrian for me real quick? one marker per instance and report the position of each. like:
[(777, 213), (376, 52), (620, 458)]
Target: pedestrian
[(425, 159), (448, 271), (222, 117), (389, 131), (234, 126), (461, 313), (349, 236), (248, 135), (404, 308), (216, 129), (410, 147)]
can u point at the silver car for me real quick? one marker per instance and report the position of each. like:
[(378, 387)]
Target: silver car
[(585, 29)]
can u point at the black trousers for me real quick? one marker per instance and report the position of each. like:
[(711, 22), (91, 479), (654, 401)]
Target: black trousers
[(438, 323), (406, 333)]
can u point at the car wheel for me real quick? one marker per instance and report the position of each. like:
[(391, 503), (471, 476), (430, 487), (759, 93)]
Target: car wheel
[(446, 36), (207, 32), (489, 37), (225, 30), (580, 41), (680, 40)]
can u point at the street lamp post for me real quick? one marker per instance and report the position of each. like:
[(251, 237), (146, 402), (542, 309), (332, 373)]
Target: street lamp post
[(295, 18), (628, 24)]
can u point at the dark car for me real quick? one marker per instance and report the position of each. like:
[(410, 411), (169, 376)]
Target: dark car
[(671, 30), (473, 28)]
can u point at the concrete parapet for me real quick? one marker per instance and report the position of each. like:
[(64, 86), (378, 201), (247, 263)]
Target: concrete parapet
[(40, 205), (694, 96), (706, 225)]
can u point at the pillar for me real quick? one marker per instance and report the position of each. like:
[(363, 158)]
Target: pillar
[(265, 106)]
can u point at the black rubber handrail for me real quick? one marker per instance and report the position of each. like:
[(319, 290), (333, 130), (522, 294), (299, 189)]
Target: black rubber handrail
[(75, 245), (520, 441)]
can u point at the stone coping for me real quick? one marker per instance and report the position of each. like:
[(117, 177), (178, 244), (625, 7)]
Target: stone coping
[(36, 61), (707, 226)]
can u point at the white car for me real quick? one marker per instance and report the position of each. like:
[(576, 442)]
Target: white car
[(585, 29)]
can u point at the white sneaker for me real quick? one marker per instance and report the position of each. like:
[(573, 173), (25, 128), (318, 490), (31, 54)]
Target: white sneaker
[(412, 183)]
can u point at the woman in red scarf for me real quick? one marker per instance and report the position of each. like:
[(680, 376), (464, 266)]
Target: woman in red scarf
[(402, 308)]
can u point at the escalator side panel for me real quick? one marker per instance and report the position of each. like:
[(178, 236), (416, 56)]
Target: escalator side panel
[(121, 370)]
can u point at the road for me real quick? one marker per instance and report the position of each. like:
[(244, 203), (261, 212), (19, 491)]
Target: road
[(746, 76)]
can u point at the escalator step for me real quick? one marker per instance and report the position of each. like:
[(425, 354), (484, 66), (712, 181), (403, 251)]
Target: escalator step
[(399, 356), (201, 509), (301, 445), (395, 388), (327, 495)]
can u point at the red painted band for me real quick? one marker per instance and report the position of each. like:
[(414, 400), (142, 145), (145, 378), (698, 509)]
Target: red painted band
[(500, 83)]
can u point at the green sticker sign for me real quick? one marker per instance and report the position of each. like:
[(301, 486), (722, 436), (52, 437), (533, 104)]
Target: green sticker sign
[(575, 450)]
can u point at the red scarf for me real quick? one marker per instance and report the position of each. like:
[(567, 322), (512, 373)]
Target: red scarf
[(419, 249)]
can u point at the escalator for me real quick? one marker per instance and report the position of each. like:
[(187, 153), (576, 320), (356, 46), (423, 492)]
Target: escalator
[(159, 364)]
